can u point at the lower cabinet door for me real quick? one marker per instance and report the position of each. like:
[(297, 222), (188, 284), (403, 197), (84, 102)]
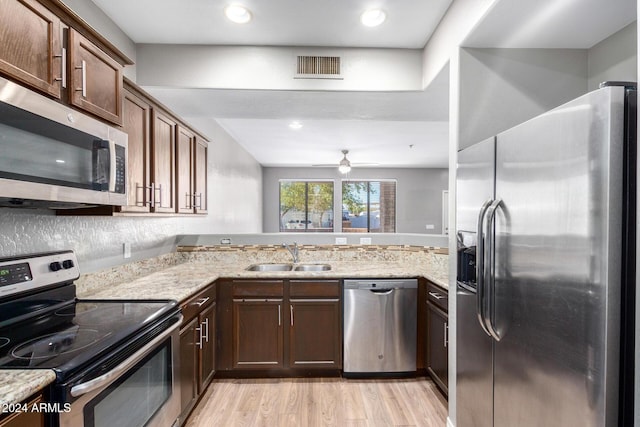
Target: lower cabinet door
[(437, 344), (188, 367), (257, 333), (207, 364), (315, 335)]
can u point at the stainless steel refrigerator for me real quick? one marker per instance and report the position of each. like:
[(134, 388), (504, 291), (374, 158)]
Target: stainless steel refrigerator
[(546, 268)]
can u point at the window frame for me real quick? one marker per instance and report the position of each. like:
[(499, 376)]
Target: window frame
[(306, 220), (368, 181)]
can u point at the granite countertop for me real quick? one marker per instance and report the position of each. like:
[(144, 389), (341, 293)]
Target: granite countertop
[(18, 384), (182, 281)]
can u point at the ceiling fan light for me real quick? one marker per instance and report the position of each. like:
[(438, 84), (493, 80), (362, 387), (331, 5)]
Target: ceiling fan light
[(237, 13)]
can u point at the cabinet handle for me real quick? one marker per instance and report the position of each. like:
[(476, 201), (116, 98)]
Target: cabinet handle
[(446, 334), (279, 315), (143, 202), (83, 67), (436, 295), (202, 301), (159, 190), (187, 202), (206, 324), (199, 343), (197, 201), (291, 309), (63, 73)]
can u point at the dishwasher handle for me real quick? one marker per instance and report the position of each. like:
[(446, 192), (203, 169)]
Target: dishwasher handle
[(382, 291)]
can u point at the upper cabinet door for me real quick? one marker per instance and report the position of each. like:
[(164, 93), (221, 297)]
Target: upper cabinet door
[(163, 163), (200, 177), (184, 178), (95, 79), (30, 45), (136, 123)]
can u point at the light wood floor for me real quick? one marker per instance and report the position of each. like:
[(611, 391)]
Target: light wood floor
[(310, 402)]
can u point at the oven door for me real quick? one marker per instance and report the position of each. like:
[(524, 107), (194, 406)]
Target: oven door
[(141, 391)]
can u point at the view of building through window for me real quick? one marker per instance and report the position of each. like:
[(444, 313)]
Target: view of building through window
[(306, 206), (369, 206)]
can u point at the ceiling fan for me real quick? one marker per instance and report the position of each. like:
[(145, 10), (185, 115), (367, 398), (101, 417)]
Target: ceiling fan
[(345, 164)]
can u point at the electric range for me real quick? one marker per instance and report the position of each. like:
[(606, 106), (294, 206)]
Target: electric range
[(101, 351)]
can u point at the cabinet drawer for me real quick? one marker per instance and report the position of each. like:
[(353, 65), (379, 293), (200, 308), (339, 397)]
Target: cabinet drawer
[(196, 304), (261, 288), (317, 288), (438, 296)]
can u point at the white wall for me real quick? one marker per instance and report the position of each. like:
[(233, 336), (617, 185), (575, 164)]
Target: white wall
[(500, 88), (614, 58), (459, 20), (272, 68), (418, 194)]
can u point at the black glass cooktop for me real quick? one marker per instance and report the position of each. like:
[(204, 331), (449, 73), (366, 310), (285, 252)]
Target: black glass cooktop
[(68, 336)]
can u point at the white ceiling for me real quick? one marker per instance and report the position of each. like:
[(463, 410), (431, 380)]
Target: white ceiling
[(555, 24), (409, 23), (377, 127)]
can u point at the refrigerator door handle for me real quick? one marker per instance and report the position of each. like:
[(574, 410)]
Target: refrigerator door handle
[(489, 258), (480, 290)]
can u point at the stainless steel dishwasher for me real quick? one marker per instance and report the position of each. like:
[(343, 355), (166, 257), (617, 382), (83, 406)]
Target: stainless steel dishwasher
[(380, 320)]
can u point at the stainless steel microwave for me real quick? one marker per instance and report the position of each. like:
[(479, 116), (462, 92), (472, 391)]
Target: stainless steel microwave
[(55, 157)]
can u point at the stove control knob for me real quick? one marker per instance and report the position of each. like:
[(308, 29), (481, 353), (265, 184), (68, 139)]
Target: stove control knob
[(67, 264), (55, 266)]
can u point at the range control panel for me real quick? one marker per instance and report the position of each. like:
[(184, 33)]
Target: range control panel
[(29, 272)]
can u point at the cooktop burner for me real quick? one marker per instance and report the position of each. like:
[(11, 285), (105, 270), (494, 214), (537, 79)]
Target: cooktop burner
[(67, 337), (56, 344)]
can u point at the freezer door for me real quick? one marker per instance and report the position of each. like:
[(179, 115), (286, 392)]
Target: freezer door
[(557, 265), (474, 372)]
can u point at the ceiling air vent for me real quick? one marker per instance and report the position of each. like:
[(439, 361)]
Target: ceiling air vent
[(318, 67)]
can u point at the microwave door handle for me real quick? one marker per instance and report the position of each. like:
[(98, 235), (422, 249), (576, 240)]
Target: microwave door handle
[(103, 380), (112, 166), (490, 258), (480, 291)]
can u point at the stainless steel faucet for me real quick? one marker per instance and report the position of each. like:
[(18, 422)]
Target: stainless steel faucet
[(294, 252)]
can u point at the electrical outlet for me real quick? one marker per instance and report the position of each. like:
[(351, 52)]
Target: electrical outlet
[(126, 248), (431, 227), (365, 240), (341, 240)]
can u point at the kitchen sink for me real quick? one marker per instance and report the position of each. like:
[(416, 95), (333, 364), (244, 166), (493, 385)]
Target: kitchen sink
[(270, 267), (288, 267), (312, 267)]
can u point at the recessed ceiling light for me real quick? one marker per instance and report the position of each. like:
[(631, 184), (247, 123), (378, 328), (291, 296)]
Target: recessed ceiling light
[(295, 125), (60, 161), (373, 17), (237, 13)]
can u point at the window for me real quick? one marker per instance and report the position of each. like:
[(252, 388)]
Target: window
[(306, 206), (369, 206)]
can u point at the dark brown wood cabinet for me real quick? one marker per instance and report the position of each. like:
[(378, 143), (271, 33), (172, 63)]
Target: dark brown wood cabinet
[(437, 336), (137, 125), (315, 330), (280, 327), (200, 176), (95, 79), (25, 419), (188, 368), (163, 165), (197, 348), (207, 345), (257, 338), (185, 147), (31, 45)]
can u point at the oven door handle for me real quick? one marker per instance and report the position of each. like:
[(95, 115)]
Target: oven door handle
[(103, 380)]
